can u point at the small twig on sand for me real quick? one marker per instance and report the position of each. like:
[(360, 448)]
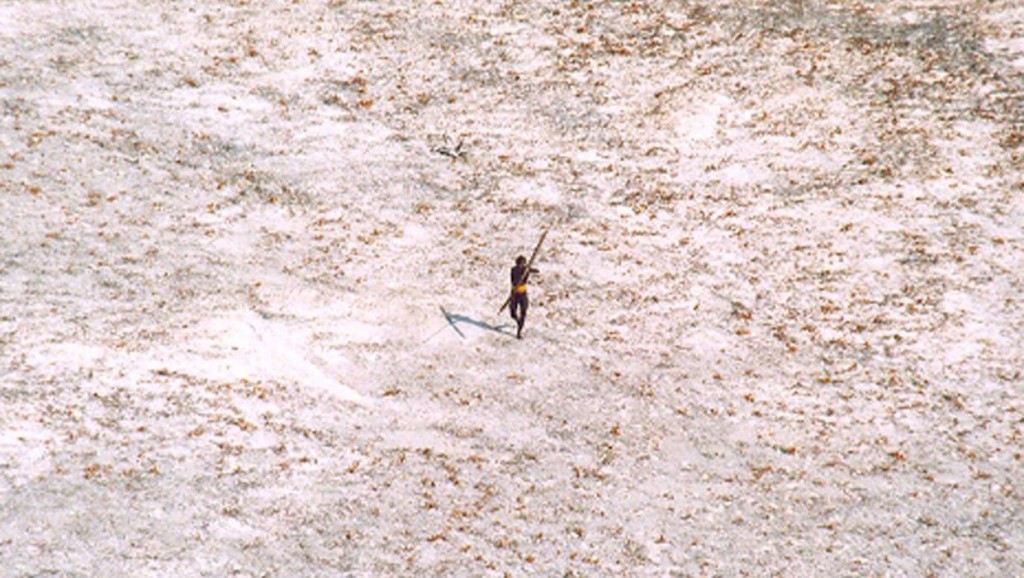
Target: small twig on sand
[(455, 153)]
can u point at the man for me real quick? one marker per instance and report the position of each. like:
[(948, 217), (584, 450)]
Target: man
[(519, 302)]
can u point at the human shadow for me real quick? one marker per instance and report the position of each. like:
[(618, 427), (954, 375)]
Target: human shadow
[(454, 319)]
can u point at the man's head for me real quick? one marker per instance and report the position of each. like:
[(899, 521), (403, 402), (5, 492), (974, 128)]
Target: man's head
[(520, 260)]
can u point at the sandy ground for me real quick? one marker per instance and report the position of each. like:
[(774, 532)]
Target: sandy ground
[(252, 254)]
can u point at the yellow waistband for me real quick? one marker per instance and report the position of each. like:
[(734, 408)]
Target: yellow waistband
[(520, 289)]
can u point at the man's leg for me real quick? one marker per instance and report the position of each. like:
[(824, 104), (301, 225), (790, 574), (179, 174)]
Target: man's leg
[(524, 304), (517, 313)]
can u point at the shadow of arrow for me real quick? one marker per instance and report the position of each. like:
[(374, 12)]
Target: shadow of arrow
[(454, 319)]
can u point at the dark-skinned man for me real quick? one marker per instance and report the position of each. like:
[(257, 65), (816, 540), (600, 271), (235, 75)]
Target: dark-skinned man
[(519, 301)]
